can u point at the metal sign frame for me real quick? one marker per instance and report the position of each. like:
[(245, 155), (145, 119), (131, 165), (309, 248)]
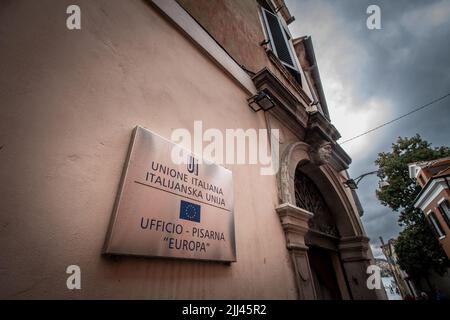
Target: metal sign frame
[(170, 210)]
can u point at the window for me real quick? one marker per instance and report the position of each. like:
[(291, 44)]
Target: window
[(444, 208), (421, 180), (436, 226), (279, 41)]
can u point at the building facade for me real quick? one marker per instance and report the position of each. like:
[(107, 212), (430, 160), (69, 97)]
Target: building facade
[(434, 198), (404, 283), (70, 101)]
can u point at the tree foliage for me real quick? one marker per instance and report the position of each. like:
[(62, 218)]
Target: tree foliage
[(417, 248), (419, 252), (401, 192)]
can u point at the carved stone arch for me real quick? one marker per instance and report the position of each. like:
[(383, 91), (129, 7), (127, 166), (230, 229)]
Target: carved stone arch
[(302, 154), (299, 151), (335, 197), (351, 245)]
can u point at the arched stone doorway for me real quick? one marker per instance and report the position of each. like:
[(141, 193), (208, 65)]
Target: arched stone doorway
[(324, 235), (322, 239)]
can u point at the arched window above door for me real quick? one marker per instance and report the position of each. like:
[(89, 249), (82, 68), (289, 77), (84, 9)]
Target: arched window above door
[(309, 197)]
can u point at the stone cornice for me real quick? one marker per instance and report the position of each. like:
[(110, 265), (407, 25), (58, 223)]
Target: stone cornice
[(354, 248), (340, 159), (286, 100), (319, 125), (289, 109), (295, 115), (295, 224), (320, 129), (288, 77)]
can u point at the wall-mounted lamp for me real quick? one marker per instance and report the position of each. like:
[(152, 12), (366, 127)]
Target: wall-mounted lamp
[(261, 101), (353, 183)]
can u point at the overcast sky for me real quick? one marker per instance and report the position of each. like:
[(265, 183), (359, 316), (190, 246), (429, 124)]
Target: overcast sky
[(372, 76)]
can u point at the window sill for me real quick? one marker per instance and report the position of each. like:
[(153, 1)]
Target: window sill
[(288, 77)]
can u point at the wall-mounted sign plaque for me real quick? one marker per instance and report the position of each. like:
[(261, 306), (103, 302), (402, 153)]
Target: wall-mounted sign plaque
[(172, 210)]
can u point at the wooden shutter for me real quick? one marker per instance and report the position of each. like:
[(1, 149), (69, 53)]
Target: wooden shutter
[(278, 39)]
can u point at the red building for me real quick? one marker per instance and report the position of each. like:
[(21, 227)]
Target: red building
[(434, 199)]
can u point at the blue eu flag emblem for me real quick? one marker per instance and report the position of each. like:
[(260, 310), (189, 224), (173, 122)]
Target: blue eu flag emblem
[(189, 211)]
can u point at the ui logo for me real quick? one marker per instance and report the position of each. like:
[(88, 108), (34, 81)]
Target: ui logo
[(189, 211), (192, 166)]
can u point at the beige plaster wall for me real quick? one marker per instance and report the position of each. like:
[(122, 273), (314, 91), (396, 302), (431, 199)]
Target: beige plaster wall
[(237, 25), (69, 102)]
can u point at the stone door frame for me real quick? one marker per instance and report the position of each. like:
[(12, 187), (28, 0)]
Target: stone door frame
[(353, 244)]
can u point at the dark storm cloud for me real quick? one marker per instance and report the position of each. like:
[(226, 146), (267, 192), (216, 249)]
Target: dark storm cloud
[(396, 69)]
